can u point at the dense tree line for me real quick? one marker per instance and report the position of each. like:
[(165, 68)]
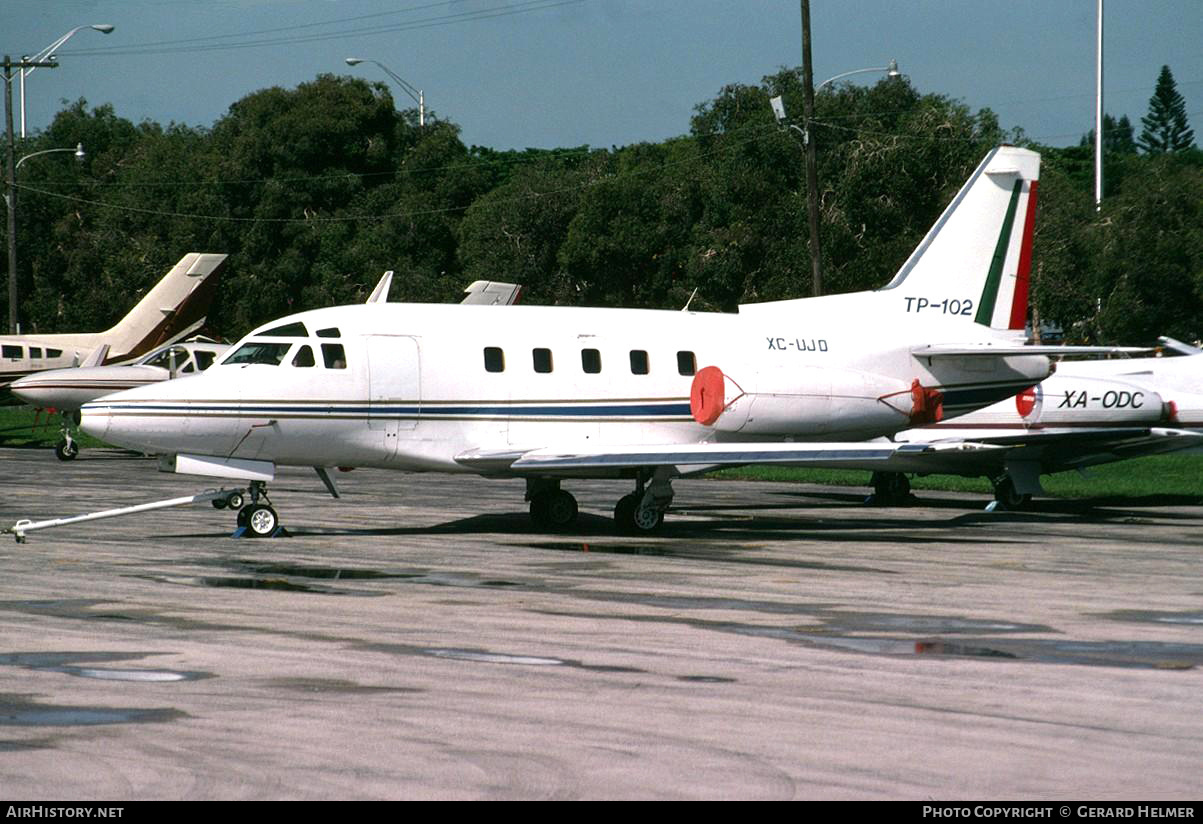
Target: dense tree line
[(314, 191)]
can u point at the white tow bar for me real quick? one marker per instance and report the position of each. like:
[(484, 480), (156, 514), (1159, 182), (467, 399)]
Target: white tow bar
[(19, 529)]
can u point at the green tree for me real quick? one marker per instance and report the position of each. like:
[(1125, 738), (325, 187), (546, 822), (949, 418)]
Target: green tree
[(1165, 127), (1118, 136)]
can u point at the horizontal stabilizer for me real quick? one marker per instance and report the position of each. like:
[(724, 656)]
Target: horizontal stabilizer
[(946, 350)]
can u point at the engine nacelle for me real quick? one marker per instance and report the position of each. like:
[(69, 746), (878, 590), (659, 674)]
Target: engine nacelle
[(1072, 400), (808, 401)]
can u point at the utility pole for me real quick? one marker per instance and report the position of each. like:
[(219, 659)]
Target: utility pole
[(10, 177), (812, 165), (1098, 110)]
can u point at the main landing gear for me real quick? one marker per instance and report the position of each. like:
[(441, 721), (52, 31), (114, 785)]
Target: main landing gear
[(1005, 494), (256, 519), (550, 507), (640, 512), (643, 510), (890, 489)]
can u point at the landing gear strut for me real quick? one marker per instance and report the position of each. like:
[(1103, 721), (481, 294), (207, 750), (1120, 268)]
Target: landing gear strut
[(67, 448), (550, 506), (643, 510)]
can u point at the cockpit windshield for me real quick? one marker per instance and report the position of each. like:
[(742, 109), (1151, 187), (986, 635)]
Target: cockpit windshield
[(258, 351)]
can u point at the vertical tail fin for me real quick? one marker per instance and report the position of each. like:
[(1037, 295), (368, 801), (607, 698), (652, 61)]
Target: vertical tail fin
[(978, 254), (176, 306)]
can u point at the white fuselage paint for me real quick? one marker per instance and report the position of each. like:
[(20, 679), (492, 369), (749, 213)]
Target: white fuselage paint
[(415, 392)]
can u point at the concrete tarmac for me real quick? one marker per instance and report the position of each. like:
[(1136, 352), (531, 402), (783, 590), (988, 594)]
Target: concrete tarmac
[(418, 639)]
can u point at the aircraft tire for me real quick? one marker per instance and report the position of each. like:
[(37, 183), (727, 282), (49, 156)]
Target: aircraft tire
[(891, 488), (632, 518), (560, 509), (554, 510), (1007, 496), (235, 500), (260, 519), (66, 450)]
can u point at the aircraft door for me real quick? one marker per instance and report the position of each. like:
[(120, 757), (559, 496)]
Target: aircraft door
[(394, 386)]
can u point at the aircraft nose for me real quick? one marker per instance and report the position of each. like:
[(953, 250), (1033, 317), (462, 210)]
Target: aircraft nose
[(94, 420), (28, 390)]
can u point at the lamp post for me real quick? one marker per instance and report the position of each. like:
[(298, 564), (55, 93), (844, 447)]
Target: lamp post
[(409, 89), (10, 202), (812, 166), (48, 54)]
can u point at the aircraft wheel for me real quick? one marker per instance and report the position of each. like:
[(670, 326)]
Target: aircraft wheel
[(260, 520), (554, 510), (891, 487), (66, 450), (235, 500), (632, 517), (1007, 496), (219, 503)]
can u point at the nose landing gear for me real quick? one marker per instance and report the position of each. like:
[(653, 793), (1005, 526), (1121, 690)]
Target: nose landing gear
[(255, 520)]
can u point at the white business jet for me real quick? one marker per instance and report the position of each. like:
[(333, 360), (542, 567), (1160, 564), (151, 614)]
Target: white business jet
[(175, 308), (1087, 414), (552, 393)]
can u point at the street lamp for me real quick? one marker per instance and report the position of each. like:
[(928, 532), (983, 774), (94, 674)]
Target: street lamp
[(10, 202), (48, 54), (812, 166), (413, 92)]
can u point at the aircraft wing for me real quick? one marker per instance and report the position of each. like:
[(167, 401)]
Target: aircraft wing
[(1055, 449), (689, 458)]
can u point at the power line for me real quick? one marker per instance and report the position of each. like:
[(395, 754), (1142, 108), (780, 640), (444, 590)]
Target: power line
[(190, 46)]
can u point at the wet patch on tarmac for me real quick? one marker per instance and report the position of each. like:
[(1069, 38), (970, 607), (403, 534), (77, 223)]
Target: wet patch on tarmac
[(333, 685), (70, 663), (1146, 616), (711, 551), (706, 679), (319, 572), (21, 711), (883, 634), (28, 746), (484, 656), (279, 584)]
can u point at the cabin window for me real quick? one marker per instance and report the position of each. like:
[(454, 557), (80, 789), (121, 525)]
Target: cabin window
[(188, 367), (687, 364), (542, 360), (259, 351), (204, 359), (35, 352), (332, 332), (639, 364), (304, 357), (54, 353), (591, 361), (494, 359), (334, 356), (10, 351), (288, 330)]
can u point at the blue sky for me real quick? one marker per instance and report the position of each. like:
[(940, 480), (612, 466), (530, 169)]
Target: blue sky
[(548, 73)]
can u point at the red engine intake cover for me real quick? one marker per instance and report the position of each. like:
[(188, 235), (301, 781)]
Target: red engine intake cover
[(706, 401)]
